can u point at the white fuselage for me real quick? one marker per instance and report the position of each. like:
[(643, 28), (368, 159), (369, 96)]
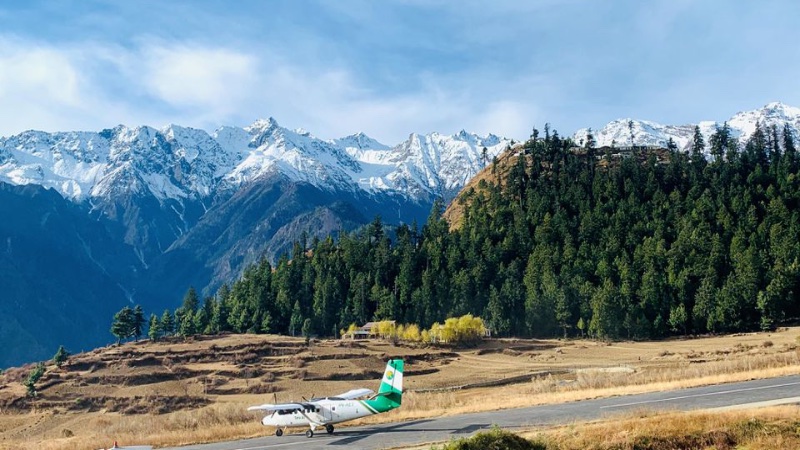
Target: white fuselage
[(317, 412)]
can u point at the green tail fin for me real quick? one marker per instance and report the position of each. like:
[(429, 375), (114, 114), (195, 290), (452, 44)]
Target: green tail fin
[(390, 393), (392, 381)]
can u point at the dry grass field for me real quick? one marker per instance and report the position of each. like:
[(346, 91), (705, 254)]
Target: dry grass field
[(767, 429), (763, 429), (180, 392)]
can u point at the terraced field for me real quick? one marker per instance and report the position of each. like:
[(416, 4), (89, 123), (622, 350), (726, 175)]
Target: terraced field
[(194, 390)]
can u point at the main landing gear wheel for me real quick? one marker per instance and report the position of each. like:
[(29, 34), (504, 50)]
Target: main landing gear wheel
[(329, 428), (309, 433), (279, 432)]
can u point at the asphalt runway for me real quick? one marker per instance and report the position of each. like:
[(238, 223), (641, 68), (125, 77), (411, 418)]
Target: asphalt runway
[(784, 390)]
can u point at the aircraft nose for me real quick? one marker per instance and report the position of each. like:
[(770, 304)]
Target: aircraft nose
[(266, 420)]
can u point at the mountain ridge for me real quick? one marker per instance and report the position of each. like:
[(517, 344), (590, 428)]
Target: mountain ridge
[(179, 162), (645, 132)]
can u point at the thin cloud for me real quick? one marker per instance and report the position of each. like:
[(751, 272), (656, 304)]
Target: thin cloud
[(191, 77), (92, 86), (41, 87), (395, 67)]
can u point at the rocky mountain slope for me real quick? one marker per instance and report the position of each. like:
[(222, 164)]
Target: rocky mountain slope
[(154, 211)]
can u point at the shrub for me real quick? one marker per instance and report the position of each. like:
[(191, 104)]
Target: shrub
[(298, 363), (466, 329), (425, 337), (495, 439), (261, 389), (411, 333), (462, 330), (268, 377)]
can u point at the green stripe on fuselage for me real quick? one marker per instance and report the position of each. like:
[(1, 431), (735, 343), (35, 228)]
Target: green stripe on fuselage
[(381, 404), (368, 407)]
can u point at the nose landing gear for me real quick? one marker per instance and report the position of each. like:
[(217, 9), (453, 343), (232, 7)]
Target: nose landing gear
[(329, 428)]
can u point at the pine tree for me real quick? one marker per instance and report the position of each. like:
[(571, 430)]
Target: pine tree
[(61, 356), (123, 323), (167, 323), (788, 139), (154, 328), (590, 153), (498, 316), (297, 320), (137, 322), (719, 142), (219, 317), (671, 145), (266, 323), (630, 131), (678, 319), (33, 377), (789, 149), (190, 300), (697, 156), (307, 330), (201, 321), (185, 321)]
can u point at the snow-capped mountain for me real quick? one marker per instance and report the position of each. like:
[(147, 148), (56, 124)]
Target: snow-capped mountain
[(442, 164), (177, 163), (139, 214), (742, 125)]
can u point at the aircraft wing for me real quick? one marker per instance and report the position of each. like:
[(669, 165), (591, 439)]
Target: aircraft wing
[(275, 407), (355, 393)]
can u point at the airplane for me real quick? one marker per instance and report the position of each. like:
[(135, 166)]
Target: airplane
[(327, 411)]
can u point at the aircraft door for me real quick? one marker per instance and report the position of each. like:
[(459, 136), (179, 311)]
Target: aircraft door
[(325, 412)]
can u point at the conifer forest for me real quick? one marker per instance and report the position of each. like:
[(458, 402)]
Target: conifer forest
[(554, 239)]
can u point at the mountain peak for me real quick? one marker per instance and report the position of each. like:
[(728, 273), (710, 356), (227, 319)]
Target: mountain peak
[(262, 125), (360, 141), (780, 108)]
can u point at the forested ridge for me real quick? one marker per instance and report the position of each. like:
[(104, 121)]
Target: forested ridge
[(556, 240)]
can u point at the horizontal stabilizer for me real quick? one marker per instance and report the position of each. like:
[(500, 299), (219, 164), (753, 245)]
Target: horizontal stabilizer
[(356, 393), (275, 407)]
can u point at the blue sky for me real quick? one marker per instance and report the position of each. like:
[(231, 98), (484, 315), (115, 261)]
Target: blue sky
[(389, 68)]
